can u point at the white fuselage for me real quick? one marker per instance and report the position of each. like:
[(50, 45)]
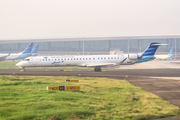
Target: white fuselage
[(3, 57), (86, 61)]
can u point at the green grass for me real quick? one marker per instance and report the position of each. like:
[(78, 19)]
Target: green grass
[(27, 98), (8, 64)]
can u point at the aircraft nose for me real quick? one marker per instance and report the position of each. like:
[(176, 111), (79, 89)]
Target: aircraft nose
[(19, 64)]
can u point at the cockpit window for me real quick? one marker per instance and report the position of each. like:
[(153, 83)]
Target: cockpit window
[(27, 59)]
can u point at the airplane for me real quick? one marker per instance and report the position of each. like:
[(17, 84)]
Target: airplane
[(164, 57), (96, 61), (26, 53), (3, 56), (34, 51)]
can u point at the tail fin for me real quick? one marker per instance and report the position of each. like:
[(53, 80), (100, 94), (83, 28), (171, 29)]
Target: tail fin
[(170, 53), (28, 49), (150, 51), (35, 49)]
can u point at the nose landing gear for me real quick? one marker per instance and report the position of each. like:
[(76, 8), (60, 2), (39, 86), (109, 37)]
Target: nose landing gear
[(24, 69), (97, 69)]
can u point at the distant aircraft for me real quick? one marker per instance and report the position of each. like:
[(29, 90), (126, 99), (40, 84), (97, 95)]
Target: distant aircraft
[(3, 56), (96, 61), (163, 57), (34, 51), (26, 53)]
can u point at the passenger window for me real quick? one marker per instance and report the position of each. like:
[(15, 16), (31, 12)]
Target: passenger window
[(89, 58), (68, 59), (101, 58), (93, 58), (61, 59), (49, 59), (111, 57), (86, 58), (108, 57), (114, 57), (104, 58), (71, 59), (83, 58), (79, 58), (74, 58), (98, 58), (65, 59), (118, 58)]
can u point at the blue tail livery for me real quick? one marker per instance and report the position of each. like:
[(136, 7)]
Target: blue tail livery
[(28, 49), (34, 51)]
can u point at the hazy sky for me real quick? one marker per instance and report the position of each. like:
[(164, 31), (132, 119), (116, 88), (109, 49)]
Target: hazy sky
[(25, 19)]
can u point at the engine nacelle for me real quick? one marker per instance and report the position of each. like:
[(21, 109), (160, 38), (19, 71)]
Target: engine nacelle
[(133, 56)]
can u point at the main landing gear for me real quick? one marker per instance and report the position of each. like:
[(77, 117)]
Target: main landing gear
[(97, 69)]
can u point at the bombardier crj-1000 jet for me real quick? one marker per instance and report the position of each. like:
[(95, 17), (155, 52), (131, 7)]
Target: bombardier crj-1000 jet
[(96, 61)]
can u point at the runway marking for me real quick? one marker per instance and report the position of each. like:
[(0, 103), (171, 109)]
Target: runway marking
[(167, 91), (160, 82)]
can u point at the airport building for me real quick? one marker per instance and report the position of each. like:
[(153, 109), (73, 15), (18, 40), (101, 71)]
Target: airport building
[(95, 45)]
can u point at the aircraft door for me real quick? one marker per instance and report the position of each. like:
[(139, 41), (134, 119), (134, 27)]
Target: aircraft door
[(34, 60), (93, 60)]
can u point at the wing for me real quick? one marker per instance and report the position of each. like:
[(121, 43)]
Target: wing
[(2, 58), (100, 65)]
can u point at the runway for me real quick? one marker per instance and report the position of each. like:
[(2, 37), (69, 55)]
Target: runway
[(162, 82)]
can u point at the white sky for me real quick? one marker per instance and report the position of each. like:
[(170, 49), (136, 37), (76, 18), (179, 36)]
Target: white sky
[(26, 19)]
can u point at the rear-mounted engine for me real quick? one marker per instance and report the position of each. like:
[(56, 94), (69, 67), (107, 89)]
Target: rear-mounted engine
[(133, 56)]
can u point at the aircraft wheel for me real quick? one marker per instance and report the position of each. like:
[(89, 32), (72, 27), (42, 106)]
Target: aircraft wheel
[(95, 69), (99, 69)]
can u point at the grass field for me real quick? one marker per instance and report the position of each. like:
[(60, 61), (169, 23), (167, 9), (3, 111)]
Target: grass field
[(27, 98), (11, 64)]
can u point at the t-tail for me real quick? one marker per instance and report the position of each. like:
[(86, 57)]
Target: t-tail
[(34, 51), (148, 54), (28, 49)]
